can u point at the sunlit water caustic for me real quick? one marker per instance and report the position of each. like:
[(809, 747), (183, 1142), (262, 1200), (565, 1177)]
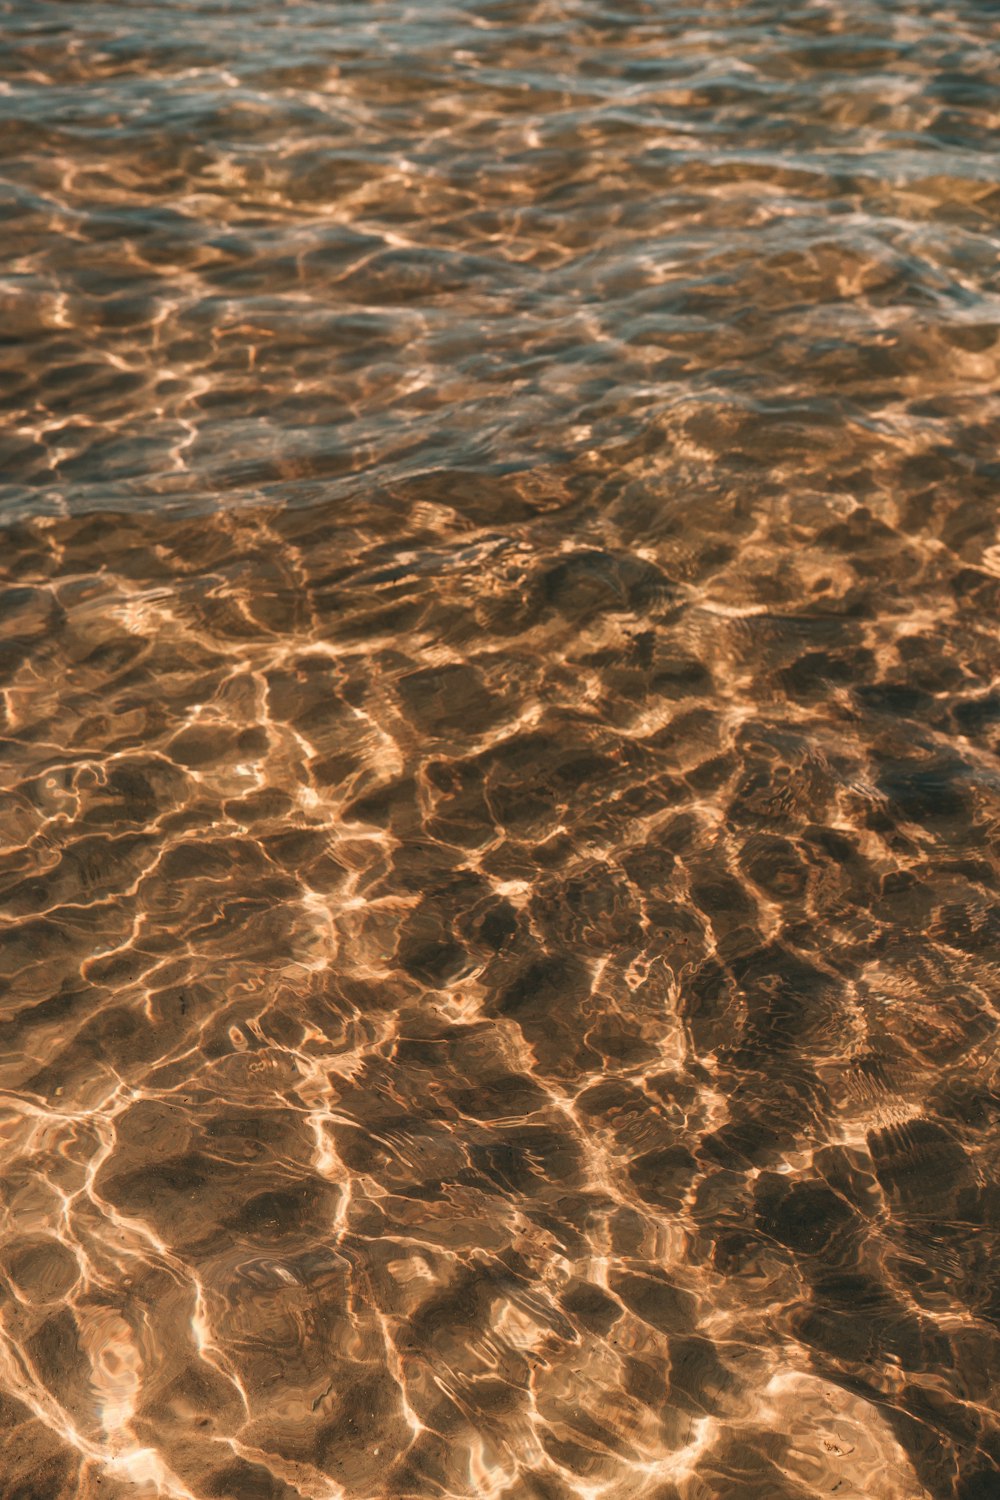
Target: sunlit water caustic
[(500, 805)]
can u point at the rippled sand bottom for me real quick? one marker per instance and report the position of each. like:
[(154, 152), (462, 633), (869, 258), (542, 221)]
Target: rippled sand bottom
[(500, 992)]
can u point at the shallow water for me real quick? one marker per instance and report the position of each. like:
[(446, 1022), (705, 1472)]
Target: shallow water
[(502, 811)]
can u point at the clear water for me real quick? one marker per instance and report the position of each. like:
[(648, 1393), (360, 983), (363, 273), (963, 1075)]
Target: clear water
[(498, 652)]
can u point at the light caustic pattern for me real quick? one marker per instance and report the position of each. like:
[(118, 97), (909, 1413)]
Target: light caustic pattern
[(490, 1015), (499, 819)]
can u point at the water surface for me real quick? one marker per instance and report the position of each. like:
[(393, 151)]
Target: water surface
[(501, 809)]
